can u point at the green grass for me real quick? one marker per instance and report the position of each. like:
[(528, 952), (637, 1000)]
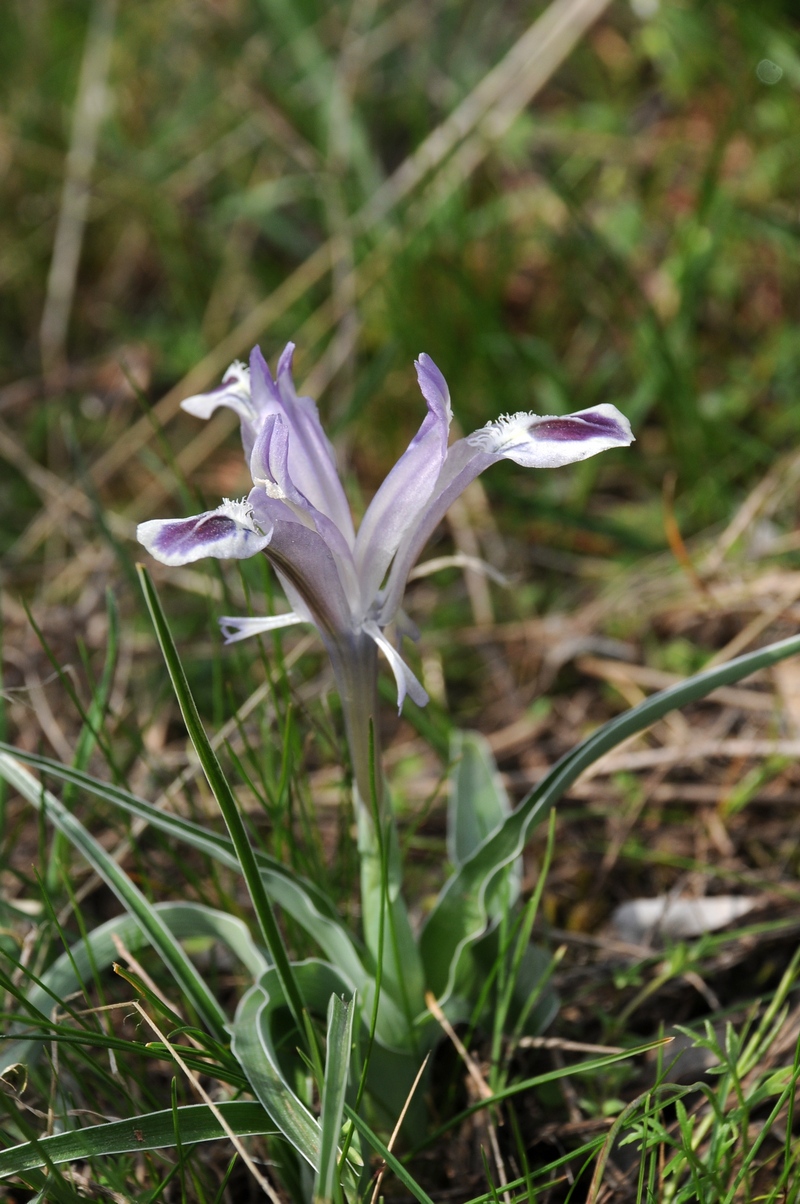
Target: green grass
[(630, 237)]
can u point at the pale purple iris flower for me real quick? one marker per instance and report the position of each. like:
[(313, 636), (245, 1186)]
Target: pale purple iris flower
[(350, 585)]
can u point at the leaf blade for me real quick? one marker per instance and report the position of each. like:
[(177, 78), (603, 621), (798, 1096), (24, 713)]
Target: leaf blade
[(149, 1131), (129, 895), (460, 914), (337, 1073)]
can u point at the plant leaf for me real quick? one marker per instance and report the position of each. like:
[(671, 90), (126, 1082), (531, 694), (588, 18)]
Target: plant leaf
[(337, 1072), (394, 1164), (199, 837), (74, 967), (301, 899), (150, 1131), (305, 902), (132, 899), (462, 911), (254, 1048), (227, 803), (478, 801)]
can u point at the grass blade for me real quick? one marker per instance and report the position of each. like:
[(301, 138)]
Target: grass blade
[(227, 803), (337, 1073), (394, 1164), (150, 1131)]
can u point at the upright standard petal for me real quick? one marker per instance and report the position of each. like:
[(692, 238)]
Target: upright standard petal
[(229, 532), (529, 440), (409, 485), (544, 441), (312, 464), (270, 465)]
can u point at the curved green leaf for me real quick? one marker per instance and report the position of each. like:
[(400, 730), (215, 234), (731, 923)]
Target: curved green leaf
[(132, 899), (478, 801), (195, 835), (253, 1047), (73, 968), (150, 1131), (462, 913), (301, 899), (305, 902)]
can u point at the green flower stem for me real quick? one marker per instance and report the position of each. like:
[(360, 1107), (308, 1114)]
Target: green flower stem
[(355, 665)]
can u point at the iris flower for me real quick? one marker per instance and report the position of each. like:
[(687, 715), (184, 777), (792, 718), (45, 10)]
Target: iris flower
[(350, 585)]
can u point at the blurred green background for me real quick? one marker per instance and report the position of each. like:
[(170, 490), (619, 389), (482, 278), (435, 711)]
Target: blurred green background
[(631, 236)]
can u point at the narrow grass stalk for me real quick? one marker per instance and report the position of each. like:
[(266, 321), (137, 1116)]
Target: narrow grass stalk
[(538, 1080), (394, 1164), (327, 1187), (227, 804), (373, 1021)]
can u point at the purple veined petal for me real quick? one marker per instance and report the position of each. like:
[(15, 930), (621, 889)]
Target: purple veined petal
[(284, 377), (462, 465), (309, 573), (234, 629), (270, 465), (229, 532), (269, 468), (312, 464), (406, 682), (234, 394), (536, 441), (527, 439), (409, 485)]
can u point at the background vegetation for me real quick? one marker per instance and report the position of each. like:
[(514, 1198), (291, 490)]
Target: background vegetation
[(619, 224)]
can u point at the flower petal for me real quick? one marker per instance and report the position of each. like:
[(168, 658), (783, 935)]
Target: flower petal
[(536, 441), (229, 532), (306, 564), (270, 465), (312, 464), (234, 394), (234, 628), (407, 683), (409, 485), (462, 465), (527, 439)]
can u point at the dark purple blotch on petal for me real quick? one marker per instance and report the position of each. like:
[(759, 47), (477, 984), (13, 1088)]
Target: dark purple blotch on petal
[(185, 534), (576, 429)]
